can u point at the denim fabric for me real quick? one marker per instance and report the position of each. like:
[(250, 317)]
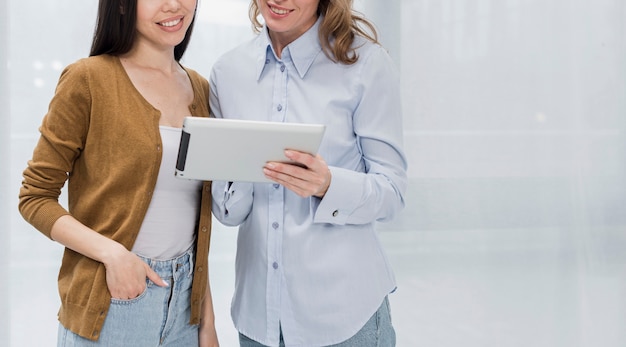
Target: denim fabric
[(377, 332), (157, 317)]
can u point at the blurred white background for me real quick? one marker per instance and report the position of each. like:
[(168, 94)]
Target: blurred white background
[(514, 232)]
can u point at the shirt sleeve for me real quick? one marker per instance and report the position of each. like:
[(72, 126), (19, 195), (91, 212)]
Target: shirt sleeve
[(376, 194), (232, 201)]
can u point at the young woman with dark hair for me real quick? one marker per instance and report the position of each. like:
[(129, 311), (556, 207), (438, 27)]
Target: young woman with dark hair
[(135, 267)]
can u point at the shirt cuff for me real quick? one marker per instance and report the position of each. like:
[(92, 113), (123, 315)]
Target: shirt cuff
[(341, 198)]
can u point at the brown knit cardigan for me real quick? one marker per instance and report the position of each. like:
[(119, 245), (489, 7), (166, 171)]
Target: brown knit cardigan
[(102, 137)]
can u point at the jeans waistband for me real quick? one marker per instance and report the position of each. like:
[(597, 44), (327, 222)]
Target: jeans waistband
[(172, 267)]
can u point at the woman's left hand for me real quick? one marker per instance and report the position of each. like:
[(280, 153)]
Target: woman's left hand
[(311, 179)]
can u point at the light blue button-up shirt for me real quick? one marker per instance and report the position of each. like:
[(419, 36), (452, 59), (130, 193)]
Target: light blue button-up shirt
[(313, 267)]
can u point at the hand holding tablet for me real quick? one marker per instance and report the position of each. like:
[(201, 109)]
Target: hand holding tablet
[(236, 150)]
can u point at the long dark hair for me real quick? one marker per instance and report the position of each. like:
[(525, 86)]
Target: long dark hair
[(116, 29)]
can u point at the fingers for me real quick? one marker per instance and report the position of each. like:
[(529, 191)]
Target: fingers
[(125, 290), (289, 181), (154, 277), (126, 276), (312, 180)]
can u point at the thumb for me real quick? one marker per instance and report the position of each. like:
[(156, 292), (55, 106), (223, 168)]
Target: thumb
[(154, 277)]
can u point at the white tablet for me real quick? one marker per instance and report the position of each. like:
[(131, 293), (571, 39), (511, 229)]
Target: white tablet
[(216, 149)]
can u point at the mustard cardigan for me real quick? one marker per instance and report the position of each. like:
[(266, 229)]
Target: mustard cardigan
[(102, 137)]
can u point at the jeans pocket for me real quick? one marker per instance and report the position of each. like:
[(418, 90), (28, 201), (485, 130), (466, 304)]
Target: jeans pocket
[(116, 301)]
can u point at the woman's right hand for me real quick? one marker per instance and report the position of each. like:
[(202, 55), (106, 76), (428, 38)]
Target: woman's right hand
[(126, 275), (125, 272)]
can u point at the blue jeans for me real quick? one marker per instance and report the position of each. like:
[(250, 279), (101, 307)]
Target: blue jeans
[(377, 332), (157, 317)]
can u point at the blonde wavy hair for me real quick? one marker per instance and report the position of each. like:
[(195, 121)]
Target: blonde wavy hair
[(339, 27)]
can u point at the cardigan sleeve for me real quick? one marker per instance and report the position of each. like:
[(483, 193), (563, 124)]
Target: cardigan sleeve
[(62, 137)]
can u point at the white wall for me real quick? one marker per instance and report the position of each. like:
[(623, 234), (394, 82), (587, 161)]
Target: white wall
[(4, 175), (514, 112)]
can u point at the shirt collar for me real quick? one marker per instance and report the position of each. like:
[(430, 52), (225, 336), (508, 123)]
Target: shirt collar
[(303, 50)]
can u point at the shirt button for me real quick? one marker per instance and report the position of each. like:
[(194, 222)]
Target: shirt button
[(282, 68), (276, 185), (335, 213), (275, 265), (267, 61), (275, 225), (279, 108)]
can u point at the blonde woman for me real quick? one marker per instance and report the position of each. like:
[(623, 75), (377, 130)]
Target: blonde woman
[(310, 270)]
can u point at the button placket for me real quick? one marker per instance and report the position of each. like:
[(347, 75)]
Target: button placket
[(280, 91)]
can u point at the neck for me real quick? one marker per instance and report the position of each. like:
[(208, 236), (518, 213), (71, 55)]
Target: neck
[(278, 43), (280, 40), (150, 59)]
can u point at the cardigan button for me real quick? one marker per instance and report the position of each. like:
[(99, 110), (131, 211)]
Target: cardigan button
[(204, 229)]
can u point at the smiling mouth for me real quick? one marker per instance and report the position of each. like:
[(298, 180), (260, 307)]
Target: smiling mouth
[(278, 11), (170, 23)]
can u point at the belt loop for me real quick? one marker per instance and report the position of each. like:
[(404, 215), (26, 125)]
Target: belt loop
[(191, 262)]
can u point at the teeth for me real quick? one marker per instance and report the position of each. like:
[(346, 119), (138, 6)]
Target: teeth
[(278, 11), (170, 23)]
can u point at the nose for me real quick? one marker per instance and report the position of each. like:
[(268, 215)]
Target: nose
[(171, 5)]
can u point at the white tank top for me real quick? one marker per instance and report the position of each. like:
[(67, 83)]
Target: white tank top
[(169, 227)]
